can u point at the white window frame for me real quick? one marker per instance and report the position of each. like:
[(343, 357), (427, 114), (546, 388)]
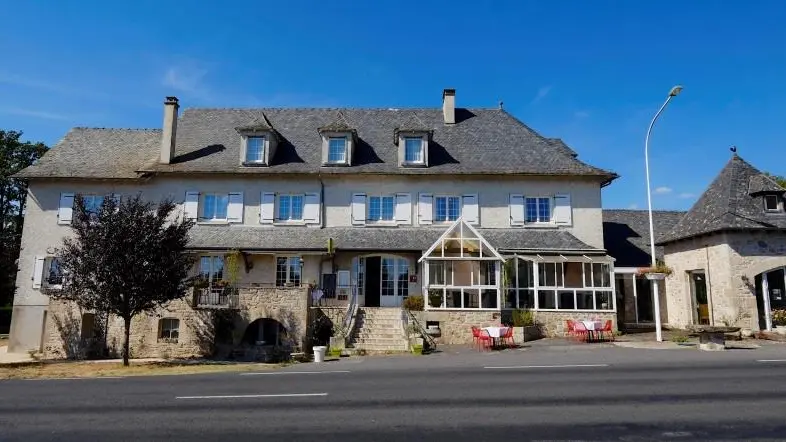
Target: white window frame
[(549, 220), (212, 273), (203, 205), (777, 203), (166, 327), (447, 208), (289, 280), (246, 140), (421, 151), (344, 160), (381, 197), (277, 217)]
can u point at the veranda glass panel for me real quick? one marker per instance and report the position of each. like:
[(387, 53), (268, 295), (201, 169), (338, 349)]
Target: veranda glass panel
[(584, 301), (511, 298), (471, 298), (453, 298), (573, 274), (566, 300), (526, 277), (436, 272), (600, 275), (603, 300), (527, 298), (488, 298), (546, 299)]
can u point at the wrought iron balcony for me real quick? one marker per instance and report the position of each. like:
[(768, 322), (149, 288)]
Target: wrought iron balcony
[(216, 298)]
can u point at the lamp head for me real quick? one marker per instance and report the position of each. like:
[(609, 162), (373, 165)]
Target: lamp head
[(675, 91)]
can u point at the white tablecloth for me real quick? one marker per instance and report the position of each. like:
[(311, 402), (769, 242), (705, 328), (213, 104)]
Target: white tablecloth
[(592, 325), (496, 332)]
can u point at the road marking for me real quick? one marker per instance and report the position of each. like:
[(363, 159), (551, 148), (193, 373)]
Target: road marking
[(547, 366), (771, 360), (74, 379), (292, 372), (244, 396)]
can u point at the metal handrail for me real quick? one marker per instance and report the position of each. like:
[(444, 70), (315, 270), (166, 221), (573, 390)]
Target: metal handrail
[(432, 343), (349, 317)]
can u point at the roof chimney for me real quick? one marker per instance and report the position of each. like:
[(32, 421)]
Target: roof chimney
[(449, 105), (169, 130)]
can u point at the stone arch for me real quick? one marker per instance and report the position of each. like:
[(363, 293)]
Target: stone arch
[(763, 265), (265, 331)]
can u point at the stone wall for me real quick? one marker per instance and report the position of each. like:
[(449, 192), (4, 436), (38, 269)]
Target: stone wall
[(456, 326), (730, 261), (197, 329), (554, 324)]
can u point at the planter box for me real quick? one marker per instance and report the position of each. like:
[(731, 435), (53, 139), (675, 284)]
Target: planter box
[(524, 334), (655, 276)]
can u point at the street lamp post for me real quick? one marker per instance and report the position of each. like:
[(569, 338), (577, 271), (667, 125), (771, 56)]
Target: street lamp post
[(656, 298)]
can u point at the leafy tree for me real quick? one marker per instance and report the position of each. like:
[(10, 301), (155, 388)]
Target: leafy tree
[(127, 259), (15, 155), (780, 180)]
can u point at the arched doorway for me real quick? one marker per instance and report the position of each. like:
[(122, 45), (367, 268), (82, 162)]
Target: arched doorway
[(382, 279), (265, 331), (770, 295)]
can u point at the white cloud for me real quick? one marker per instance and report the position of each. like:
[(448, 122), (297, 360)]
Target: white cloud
[(188, 78), (581, 114), (686, 195), (633, 206), (542, 92), (34, 114), (663, 190)]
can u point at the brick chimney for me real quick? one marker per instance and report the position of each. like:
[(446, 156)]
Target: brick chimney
[(449, 105), (169, 130)]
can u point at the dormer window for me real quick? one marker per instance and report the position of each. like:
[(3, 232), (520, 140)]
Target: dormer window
[(337, 150), (255, 150), (772, 203), (413, 150)]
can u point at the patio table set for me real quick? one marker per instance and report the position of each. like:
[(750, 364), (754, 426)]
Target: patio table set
[(590, 330), (488, 338)]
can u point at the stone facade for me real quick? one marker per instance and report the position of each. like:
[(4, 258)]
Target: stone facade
[(67, 337), (456, 326), (554, 324), (731, 262)]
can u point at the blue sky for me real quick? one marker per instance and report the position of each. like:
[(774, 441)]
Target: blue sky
[(592, 73)]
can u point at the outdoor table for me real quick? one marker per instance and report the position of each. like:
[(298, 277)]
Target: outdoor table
[(592, 327), (495, 333)]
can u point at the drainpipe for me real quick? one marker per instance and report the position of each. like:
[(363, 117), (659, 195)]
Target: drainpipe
[(710, 307)]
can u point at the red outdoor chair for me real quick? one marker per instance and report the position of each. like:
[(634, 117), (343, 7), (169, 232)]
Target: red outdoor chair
[(481, 338), (571, 330), (508, 337), (580, 331), (607, 330)]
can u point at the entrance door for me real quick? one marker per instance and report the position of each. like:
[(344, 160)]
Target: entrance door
[(775, 284), (372, 271), (701, 314)]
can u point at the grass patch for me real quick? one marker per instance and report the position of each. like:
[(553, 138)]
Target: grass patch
[(39, 370)]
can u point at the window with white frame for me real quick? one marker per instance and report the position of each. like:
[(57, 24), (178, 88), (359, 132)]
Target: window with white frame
[(211, 268), (290, 207), (463, 284), (169, 329), (537, 209), (566, 285), (255, 149), (337, 150), (288, 271), (381, 208), (771, 203), (214, 207), (446, 208), (413, 150)]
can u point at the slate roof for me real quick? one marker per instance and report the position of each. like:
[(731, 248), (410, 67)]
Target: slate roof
[(761, 184), (727, 205), (371, 238), (98, 153), (626, 234), (482, 141)]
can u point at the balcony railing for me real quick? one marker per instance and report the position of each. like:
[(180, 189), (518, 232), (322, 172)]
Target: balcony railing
[(216, 297)]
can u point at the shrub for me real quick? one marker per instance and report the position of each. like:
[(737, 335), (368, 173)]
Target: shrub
[(413, 303), (334, 352), (435, 298), (417, 349), (779, 317), (523, 318), (679, 339)]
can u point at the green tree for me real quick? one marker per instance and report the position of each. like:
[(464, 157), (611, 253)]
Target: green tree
[(780, 180), (127, 259), (15, 155)]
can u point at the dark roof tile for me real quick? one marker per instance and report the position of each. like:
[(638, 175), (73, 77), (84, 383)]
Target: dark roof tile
[(626, 234)]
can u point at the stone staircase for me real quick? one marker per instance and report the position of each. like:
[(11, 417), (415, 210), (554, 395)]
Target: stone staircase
[(379, 329)]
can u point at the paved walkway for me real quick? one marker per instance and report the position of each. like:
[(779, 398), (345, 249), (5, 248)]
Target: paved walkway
[(11, 358)]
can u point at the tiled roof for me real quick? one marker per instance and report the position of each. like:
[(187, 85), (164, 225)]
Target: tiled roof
[(760, 184), (626, 234), (482, 141), (370, 238), (98, 153), (727, 205)]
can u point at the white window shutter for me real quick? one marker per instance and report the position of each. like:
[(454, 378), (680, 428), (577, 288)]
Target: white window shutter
[(267, 208), (403, 208), (65, 212), (425, 213), (470, 210), (191, 205), (563, 212), (38, 271), (516, 209), (358, 209), (311, 208), (235, 207)]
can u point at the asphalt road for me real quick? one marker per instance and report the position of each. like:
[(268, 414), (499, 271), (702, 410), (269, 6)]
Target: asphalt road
[(595, 396)]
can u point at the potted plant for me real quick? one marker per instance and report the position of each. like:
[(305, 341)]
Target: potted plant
[(435, 298), (779, 321), (525, 328), (657, 272), (413, 303), (417, 349)]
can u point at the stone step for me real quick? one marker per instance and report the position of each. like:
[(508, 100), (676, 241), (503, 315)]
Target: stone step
[(379, 335), (381, 341), (382, 348)]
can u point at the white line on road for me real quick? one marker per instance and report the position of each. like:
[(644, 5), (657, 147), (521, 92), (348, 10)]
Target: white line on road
[(243, 396), (546, 366), (74, 379), (292, 372), (771, 360)]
